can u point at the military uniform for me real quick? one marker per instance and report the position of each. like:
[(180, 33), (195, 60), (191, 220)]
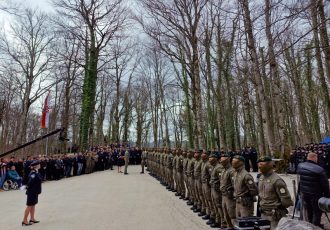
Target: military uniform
[(174, 175), (185, 175), (198, 184), (33, 188), (227, 191), (274, 198), (170, 171), (190, 179), (143, 160), (179, 176), (245, 191), (206, 188), (127, 154), (216, 172)]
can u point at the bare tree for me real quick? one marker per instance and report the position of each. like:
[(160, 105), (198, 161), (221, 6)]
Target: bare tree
[(26, 55)]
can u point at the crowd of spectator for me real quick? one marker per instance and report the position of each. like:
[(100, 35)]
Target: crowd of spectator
[(250, 155), (56, 167), (299, 155)]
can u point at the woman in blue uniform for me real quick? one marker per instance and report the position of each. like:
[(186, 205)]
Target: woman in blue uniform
[(33, 190)]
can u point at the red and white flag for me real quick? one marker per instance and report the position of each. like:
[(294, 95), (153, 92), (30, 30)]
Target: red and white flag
[(45, 113)]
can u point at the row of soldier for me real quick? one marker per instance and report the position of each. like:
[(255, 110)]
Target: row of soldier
[(218, 187)]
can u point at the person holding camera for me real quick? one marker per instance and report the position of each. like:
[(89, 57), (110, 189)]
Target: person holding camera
[(313, 185), (273, 193), (33, 189)]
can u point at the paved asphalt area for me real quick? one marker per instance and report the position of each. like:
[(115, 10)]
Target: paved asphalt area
[(106, 200), (102, 200)]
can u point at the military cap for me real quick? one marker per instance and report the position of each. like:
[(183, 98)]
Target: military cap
[(225, 155), (34, 163), (265, 159), (239, 157), (198, 151), (214, 155)]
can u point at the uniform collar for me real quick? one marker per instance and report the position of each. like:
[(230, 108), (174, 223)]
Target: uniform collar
[(269, 173), (240, 169)]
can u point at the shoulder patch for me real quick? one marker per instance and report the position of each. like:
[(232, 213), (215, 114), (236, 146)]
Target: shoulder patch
[(250, 181), (33, 175), (282, 190)]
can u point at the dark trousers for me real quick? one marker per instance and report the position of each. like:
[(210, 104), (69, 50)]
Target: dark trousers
[(254, 160), (247, 164), (310, 204)]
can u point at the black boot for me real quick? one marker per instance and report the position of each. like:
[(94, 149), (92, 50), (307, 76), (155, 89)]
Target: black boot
[(215, 225), (193, 207), (190, 202), (207, 217), (201, 214), (196, 210), (177, 194), (210, 221)]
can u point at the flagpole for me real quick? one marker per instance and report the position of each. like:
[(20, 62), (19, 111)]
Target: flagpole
[(47, 144), (45, 118)]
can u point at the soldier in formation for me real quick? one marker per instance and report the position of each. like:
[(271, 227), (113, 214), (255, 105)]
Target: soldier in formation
[(217, 185)]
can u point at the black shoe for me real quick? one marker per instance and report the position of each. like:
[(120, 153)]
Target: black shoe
[(211, 221), (215, 225), (201, 214), (141, 172), (177, 194), (181, 197), (193, 207), (26, 224), (197, 210), (125, 173), (190, 203), (34, 221), (186, 198), (207, 217)]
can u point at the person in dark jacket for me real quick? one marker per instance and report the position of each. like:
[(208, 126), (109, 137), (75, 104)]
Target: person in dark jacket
[(33, 189), (313, 185)]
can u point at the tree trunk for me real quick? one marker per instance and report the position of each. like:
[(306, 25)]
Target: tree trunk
[(275, 76), (257, 75), (318, 56)]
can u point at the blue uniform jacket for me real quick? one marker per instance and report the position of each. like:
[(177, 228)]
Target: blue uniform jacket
[(34, 183)]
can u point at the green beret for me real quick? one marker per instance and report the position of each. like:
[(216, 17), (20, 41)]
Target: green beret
[(239, 157), (225, 155), (265, 159), (214, 155)]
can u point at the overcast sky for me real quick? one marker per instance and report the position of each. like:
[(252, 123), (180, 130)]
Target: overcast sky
[(42, 4)]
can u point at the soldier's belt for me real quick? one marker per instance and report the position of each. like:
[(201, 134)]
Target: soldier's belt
[(215, 185), (267, 212)]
